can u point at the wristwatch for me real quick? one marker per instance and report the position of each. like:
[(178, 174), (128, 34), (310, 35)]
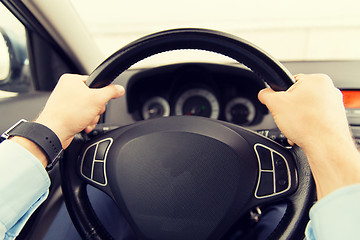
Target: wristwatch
[(41, 135)]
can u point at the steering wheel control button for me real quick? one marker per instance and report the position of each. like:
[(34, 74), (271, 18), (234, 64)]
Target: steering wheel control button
[(264, 155), (87, 163), (281, 173), (266, 184), (101, 150), (98, 173), (93, 163), (274, 176)]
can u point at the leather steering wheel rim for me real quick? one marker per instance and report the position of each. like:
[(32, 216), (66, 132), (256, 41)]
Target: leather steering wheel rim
[(277, 77)]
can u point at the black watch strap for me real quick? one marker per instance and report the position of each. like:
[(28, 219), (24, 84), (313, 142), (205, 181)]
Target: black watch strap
[(41, 135)]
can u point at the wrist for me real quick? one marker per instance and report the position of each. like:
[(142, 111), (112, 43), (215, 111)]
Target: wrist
[(32, 148), (40, 140), (334, 165), (55, 127)]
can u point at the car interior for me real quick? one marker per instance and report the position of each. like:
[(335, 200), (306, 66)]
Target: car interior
[(189, 152)]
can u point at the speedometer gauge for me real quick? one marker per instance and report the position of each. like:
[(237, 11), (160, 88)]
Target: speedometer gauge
[(240, 111), (155, 107), (197, 102)]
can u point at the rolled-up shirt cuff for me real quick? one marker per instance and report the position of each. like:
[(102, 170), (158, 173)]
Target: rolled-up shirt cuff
[(24, 184), (336, 215)]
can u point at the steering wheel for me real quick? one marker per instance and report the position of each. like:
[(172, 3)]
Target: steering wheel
[(187, 177)]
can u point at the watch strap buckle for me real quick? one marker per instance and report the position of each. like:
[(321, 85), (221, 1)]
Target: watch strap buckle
[(6, 135)]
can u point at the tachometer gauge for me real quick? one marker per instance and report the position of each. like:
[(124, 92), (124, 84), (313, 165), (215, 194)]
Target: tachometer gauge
[(197, 102), (240, 111), (155, 107)]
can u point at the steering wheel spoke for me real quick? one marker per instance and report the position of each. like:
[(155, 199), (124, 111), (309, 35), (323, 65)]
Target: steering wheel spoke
[(277, 169), (93, 163)]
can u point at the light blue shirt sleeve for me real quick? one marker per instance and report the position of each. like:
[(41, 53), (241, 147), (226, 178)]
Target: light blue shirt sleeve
[(24, 185), (336, 216)]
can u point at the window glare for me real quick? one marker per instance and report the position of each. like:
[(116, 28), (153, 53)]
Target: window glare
[(287, 29)]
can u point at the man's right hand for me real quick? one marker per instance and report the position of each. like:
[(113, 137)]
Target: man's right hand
[(311, 114)]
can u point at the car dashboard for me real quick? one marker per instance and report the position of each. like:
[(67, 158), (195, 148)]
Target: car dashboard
[(223, 92)]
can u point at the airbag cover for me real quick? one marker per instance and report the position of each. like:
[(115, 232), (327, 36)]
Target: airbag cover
[(188, 181)]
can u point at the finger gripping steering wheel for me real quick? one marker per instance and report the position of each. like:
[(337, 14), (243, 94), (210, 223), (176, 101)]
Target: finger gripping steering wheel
[(187, 177)]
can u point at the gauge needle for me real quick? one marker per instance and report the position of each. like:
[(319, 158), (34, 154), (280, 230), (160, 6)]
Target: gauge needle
[(192, 112), (196, 111)]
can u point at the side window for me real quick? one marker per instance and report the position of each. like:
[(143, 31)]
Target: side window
[(15, 76)]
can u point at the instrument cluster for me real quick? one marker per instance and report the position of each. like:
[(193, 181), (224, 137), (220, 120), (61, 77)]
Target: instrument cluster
[(214, 91)]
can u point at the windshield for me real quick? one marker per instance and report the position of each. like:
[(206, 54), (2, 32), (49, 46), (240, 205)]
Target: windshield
[(289, 30)]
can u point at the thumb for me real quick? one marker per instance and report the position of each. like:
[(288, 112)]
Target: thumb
[(274, 101), (265, 95), (111, 91)]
